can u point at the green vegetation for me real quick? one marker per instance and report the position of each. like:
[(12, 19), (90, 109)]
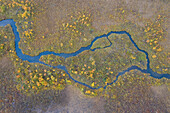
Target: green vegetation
[(52, 60), (100, 43), (101, 66)]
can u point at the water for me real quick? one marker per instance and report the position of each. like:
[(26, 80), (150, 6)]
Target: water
[(36, 59)]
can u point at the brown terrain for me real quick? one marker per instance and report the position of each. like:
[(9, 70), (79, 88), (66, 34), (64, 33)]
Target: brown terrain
[(155, 99)]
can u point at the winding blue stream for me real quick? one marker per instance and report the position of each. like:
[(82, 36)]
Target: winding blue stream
[(36, 59)]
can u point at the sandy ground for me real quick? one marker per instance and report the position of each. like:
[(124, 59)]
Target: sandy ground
[(77, 103), (73, 101), (162, 93)]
